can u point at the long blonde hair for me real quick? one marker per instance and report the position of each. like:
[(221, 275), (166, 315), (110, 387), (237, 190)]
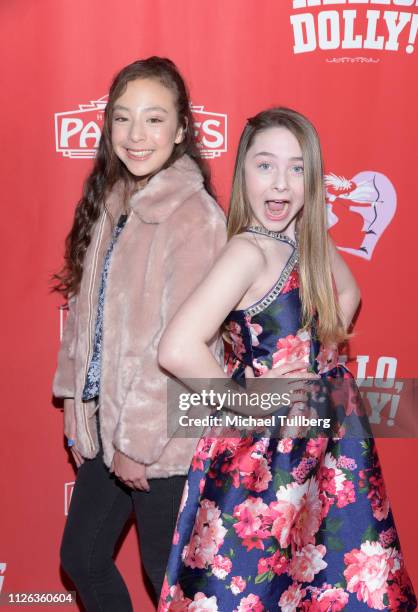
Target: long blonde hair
[(316, 283)]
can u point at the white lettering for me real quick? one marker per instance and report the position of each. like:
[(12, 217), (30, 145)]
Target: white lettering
[(207, 129), (362, 361), (195, 399), (303, 33), (331, 41), (377, 402), (386, 368), (90, 130), (393, 410), (412, 34), (66, 132), (394, 28), (302, 4), (371, 42), (349, 41)]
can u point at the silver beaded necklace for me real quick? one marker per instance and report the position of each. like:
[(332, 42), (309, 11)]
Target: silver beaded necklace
[(258, 229)]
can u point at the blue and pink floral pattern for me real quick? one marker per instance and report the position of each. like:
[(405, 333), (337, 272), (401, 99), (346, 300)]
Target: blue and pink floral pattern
[(285, 524)]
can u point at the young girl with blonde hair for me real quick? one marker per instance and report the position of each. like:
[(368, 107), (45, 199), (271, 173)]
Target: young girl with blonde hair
[(298, 523)]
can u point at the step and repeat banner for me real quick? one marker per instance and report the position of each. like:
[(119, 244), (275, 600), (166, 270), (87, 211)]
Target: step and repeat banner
[(349, 65)]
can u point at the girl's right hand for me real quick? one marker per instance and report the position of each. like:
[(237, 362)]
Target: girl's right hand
[(297, 371), (70, 430)]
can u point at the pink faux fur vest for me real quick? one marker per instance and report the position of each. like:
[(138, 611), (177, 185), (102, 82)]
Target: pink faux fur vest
[(173, 234)]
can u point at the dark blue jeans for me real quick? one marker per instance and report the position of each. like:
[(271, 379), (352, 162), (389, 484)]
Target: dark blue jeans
[(100, 507)]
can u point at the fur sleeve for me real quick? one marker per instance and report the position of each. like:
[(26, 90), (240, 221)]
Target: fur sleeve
[(64, 379)]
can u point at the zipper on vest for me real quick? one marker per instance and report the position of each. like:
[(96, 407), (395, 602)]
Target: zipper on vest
[(90, 319)]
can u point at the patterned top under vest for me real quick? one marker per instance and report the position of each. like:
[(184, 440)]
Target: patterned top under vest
[(92, 384)]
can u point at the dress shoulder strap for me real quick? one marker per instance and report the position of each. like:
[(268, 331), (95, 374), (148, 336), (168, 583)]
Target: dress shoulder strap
[(258, 229)]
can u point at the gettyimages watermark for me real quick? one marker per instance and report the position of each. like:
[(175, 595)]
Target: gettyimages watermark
[(332, 407)]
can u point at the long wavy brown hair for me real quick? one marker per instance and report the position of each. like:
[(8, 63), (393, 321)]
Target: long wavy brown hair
[(319, 305), (108, 169)]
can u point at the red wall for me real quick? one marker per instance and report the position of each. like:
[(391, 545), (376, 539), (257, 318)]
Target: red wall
[(238, 57)]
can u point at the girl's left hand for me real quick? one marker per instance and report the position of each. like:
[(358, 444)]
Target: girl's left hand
[(131, 473)]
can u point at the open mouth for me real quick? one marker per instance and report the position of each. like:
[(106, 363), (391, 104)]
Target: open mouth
[(276, 209)]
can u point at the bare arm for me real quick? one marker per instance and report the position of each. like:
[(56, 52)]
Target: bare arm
[(347, 289), (183, 348)]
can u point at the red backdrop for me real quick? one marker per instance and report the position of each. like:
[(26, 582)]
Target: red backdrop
[(350, 67)]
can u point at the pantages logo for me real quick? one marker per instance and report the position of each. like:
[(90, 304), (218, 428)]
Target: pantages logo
[(368, 27), (77, 132)]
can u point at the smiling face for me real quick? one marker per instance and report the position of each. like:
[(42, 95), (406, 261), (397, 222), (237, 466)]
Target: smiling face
[(145, 126), (274, 181)]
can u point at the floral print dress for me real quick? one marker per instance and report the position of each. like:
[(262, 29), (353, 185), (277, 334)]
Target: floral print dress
[(285, 524)]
